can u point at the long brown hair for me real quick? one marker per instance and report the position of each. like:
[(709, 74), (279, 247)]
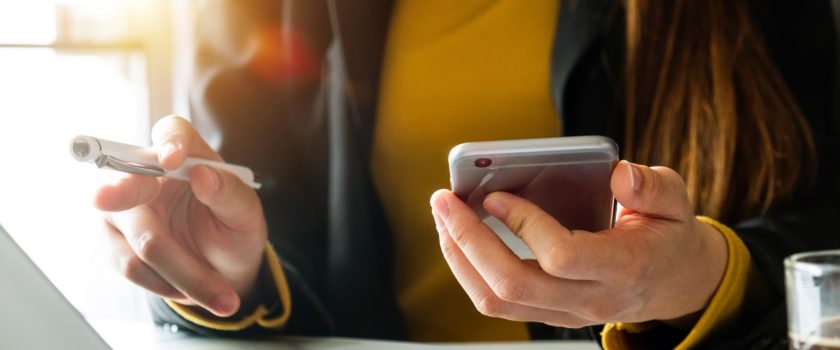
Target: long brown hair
[(704, 97)]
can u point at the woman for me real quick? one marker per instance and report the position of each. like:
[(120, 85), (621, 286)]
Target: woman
[(350, 124)]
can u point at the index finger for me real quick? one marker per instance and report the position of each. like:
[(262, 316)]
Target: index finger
[(175, 139), (509, 277)]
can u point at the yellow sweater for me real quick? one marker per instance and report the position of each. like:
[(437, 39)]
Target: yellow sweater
[(454, 71)]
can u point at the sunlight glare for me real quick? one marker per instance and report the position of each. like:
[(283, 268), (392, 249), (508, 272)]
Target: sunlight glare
[(27, 22)]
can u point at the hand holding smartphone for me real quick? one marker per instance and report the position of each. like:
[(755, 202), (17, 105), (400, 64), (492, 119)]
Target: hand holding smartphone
[(567, 177)]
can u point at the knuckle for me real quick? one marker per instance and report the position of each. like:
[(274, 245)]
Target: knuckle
[(601, 312), (514, 222), (557, 262), (533, 222), (459, 235), (529, 223), (673, 177), (666, 184), (519, 223), (632, 306), (633, 274), (130, 267), (488, 306), (621, 306), (450, 252), (148, 246), (508, 290), (657, 188)]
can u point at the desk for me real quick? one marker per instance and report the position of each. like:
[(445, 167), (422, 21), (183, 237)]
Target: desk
[(130, 336)]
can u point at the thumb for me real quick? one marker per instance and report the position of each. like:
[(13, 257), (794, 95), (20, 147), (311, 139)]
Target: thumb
[(654, 191)]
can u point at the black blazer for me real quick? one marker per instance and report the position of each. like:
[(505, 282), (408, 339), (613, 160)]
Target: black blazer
[(310, 141)]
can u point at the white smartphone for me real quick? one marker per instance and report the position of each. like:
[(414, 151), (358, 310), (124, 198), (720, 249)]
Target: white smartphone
[(567, 177)]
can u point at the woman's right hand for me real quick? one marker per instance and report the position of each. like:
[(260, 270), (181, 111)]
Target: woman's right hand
[(199, 242)]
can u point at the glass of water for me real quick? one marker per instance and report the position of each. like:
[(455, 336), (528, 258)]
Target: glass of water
[(812, 281)]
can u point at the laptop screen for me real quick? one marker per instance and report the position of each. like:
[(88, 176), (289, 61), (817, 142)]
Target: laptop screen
[(33, 313)]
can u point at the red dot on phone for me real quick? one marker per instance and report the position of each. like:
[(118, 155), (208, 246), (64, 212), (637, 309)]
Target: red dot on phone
[(483, 162)]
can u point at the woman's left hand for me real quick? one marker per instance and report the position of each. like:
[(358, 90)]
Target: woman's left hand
[(657, 263)]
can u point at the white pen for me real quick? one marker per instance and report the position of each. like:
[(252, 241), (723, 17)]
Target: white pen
[(138, 160)]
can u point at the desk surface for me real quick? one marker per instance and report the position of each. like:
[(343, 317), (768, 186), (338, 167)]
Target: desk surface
[(129, 336)]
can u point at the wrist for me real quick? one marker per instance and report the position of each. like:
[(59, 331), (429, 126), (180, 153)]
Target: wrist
[(710, 269)]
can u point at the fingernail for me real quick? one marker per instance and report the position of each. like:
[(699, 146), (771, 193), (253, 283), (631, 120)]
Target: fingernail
[(225, 303), (440, 206), (166, 150), (635, 177), (495, 207)]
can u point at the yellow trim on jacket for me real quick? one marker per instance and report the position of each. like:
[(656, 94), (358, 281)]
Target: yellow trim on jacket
[(718, 315), (259, 315)]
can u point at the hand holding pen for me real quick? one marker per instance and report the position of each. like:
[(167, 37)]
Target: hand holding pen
[(197, 242)]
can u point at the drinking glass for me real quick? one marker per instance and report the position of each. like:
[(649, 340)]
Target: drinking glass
[(812, 281)]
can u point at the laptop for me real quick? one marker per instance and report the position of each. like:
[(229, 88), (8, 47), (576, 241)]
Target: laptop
[(33, 313)]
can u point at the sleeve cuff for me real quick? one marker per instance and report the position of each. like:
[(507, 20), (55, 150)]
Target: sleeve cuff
[(718, 315), (263, 316)]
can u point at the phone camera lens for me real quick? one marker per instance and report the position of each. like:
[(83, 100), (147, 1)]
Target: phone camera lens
[(483, 162)]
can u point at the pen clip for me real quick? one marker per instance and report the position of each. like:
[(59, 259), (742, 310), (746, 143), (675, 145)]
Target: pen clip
[(106, 161)]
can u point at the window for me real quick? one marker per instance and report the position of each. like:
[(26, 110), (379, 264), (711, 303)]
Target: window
[(100, 67)]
